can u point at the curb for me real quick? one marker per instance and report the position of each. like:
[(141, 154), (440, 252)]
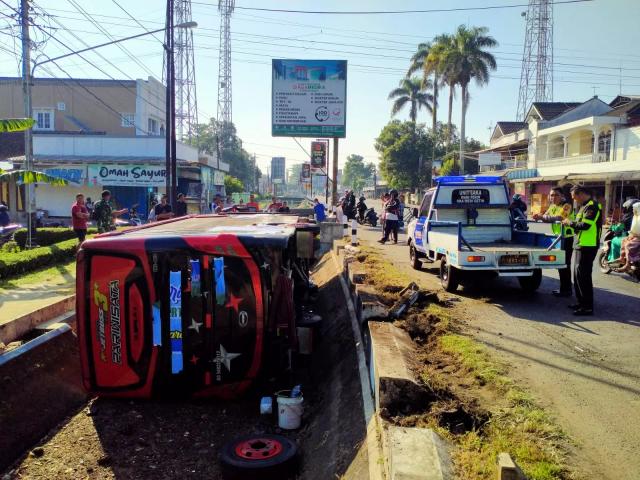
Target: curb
[(18, 327), (408, 453)]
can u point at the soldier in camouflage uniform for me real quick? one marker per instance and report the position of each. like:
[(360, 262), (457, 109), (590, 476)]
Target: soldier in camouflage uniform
[(103, 214)]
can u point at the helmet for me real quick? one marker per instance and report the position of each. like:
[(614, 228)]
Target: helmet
[(629, 203), (393, 193), (516, 197), (362, 199)]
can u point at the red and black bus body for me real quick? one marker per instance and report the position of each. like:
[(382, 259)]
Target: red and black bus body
[(183, 307)]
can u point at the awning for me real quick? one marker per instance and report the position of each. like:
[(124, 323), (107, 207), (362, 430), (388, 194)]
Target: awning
[(546, 178), (605, 176)]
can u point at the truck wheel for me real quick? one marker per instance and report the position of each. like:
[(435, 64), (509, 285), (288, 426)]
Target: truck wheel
[(603, 262), (531, 284), (259, 456), (449, 276), (415, 260)]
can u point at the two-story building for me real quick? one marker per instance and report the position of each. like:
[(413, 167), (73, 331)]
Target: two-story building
[(591, 143), (100, 134)]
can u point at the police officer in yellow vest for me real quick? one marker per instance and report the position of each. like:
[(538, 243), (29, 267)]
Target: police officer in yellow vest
[(558, 211), (588, 227)]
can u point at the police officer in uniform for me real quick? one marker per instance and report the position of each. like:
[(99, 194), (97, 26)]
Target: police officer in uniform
[(558, 211), (588, 227)]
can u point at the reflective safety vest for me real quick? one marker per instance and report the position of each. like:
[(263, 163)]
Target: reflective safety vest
[(558, 211), (590, 237)]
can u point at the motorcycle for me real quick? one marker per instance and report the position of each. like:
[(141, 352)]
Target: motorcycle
[(6, 233), (609, 255), (370, 217), (133, 221)]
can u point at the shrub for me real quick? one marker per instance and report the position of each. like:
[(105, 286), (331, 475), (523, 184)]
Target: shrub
[(48, 236), (10, 247), (27, 260)]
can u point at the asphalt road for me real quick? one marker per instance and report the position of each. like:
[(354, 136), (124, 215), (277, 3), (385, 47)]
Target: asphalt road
[(585, 370)]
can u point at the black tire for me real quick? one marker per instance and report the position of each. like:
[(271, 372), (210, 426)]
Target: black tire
[(243, 457), (603, 262), (416, 264), (531, 284), (449, 276)]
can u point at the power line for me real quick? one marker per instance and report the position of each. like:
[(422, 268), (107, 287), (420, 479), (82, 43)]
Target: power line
[(394, 12)]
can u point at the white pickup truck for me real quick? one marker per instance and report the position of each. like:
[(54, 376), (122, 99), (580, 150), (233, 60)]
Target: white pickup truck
[(464, 223)]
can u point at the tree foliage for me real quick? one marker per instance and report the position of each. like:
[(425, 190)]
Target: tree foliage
[(221, 138), (356, 173), (400, 145), (233, 185)]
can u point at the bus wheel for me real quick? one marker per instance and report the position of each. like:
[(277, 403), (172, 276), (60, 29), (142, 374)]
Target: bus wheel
[(449, 276), (531, 284)]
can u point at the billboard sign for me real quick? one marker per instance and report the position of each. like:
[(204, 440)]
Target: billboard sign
[(277, 169), (318, 155), (309, 98)]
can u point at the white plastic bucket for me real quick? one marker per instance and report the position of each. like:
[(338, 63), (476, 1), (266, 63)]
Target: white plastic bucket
[(289, 412)]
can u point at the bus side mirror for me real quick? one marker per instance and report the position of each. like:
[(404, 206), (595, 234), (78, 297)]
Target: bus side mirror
[(415, 212)]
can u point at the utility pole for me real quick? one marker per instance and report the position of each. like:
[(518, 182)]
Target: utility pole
[(170, 114), (334, 187), (28, 113)]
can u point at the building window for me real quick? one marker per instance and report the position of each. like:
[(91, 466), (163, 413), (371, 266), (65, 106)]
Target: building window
[(128, 120), (152, 126), (44, 119)]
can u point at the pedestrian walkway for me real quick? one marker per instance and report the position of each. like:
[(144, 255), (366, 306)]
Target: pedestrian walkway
[(22, 295)]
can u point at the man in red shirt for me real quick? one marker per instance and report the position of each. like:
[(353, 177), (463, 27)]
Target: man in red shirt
[(252, 203), (79, 217)]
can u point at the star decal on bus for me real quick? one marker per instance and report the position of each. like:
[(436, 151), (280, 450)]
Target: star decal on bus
[(234, 302)]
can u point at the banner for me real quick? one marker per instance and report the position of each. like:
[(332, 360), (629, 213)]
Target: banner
[(127, 175), (73, 175), (318, 155), (305, 173), (309, 98)]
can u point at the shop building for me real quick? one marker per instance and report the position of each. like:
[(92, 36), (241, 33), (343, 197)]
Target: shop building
[(99, 134)]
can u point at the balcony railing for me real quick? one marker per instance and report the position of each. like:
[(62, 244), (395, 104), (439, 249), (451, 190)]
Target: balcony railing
[(574, 160)]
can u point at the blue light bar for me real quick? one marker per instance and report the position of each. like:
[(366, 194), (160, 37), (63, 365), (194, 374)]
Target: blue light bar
[(457, 179)]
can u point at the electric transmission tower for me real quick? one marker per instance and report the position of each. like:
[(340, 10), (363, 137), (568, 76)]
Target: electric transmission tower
[(536, 79), (225, 7), (185, 72)]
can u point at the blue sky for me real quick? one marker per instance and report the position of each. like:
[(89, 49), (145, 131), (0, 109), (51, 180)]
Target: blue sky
[(595, 46)]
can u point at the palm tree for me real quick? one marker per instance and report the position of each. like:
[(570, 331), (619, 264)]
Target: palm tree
[(419, 64), (439, 58), (411, 91), (469, 60)]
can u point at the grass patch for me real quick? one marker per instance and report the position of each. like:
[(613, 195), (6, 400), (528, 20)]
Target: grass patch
[(520, 427)]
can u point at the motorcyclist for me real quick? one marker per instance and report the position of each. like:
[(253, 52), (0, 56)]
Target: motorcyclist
[(349, 205), (518, 208), (627, 213), (362, 208)]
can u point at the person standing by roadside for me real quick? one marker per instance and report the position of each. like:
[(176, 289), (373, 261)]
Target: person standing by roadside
[(181, 206), (320, 210), (79, 217), (163, 209), (252, 204), (391, 211), (104, 214), (588, 227), (558, 211)]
